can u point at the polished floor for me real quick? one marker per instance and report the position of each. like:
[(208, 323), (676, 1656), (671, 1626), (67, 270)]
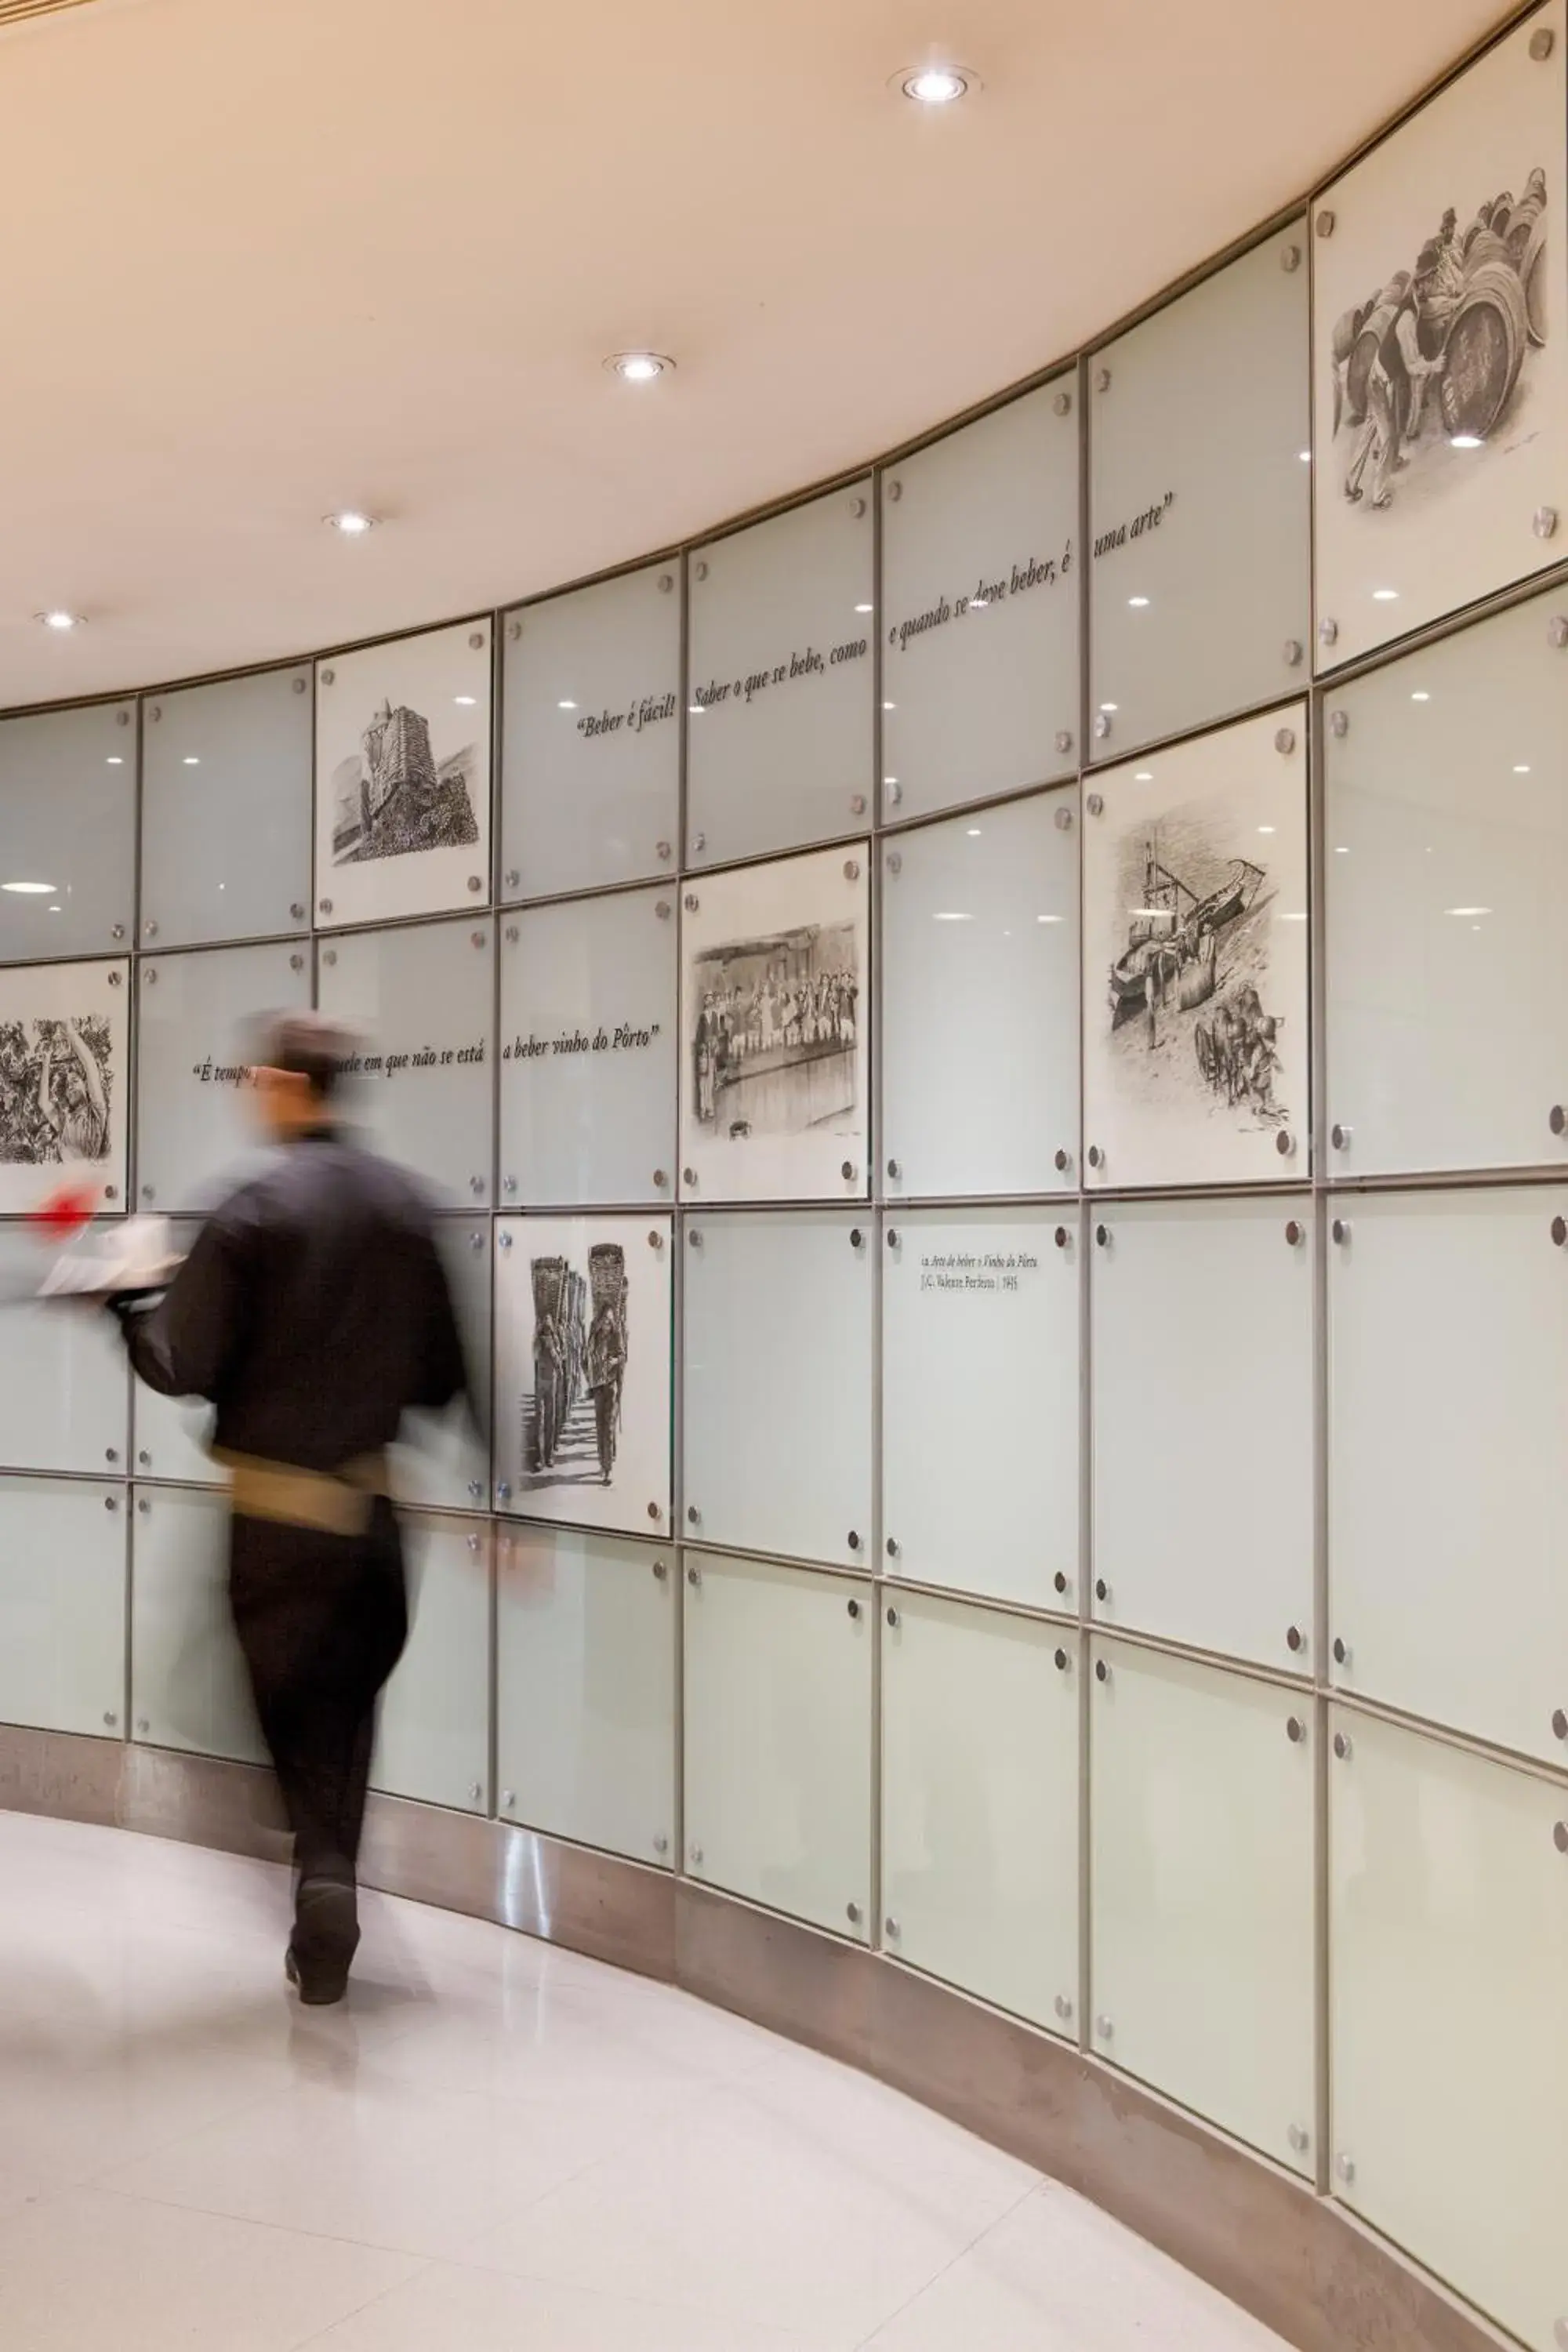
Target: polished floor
[(494, 2147)]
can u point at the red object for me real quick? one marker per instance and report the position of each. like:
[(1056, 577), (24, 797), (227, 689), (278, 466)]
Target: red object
[(64, 1213)]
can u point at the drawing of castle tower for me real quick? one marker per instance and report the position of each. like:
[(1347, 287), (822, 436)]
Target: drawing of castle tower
[(397, 756)]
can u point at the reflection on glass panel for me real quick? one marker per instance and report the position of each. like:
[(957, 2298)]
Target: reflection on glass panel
[(1447, 1486), (1445, 876), (64, 1380), (591, 746), (420, 1001), (980, 622), (196, 1133), (62, 1605), (777, 1361), (1442, 391), (226, 810), (1449, 1918), (1200, 502), (68, 833), (778, 1739), (589, 1059), (442, 1462), (980, 1804), (980, 1366), (434, 1739), (189, 1687), (171, 1435), (1201, 1790), (1202, 1419), (781, 681), (65, 1066), (980, 1002), (586, 1678)]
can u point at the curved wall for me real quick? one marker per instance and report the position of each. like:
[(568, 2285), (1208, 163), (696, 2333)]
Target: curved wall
[(1036, 967)]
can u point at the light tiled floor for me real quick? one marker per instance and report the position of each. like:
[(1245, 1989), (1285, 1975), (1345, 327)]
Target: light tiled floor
[(493, 2148)]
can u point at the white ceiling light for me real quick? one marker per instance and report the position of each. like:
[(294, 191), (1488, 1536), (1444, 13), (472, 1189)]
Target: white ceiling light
[(1384, 596), (639, 367), (467, 700), (1138, 602), (1465, 441), (935, 85), (30, 889), (59, 619), (351, 522)]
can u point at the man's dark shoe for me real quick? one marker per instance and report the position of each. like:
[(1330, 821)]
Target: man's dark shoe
[(325, 1939)]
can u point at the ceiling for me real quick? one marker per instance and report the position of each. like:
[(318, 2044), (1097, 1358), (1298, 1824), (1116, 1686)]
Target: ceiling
[(270, 257)]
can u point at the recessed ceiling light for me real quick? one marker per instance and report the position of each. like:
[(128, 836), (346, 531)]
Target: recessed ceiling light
[(890, 705), (694, 711), (1464, 440), (114, 760), (1047, 918), (1341, 849), (1467, 911), (1385, 595), (1522, 772), (1138, 602), (973, 830), (350, 521), (952, 918), (639, 367), (1110, 705), (1305, 455), (1265, 828), (467, 700), (864, 608), (1293, 919), (565, 706), (1144, 776), (30, 889), (890, 780), (59, 619), (935, 85), (1420, 697), (192, 760)]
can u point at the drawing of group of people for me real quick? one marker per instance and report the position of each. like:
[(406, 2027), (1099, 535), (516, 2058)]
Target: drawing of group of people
[(579, 1347), (743, 1022), (54, 1092)]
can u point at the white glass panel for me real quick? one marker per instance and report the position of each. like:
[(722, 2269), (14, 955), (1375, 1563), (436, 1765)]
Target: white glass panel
[(422, 1000), (1203, 1884), (64, 1382), (775, 1026), (443, 1461), (980, 595), (1445, 877), (585, 1673), (582, 1370), (980, 1789), (1200, 505), (1202, 1362), (196, 1130), (226, 810), (1442, 394), (1448, 1482), (402, 777), (68, 817), (778, 1738), (780, 677), (434, 1740), (591, 754), (980, 1002), (1449, 1953), (62, 1604), (171, 1435), (981, 1316), (589, 1053), (189, 1687), (777, 1403), (1194, 961), (64, 1072)]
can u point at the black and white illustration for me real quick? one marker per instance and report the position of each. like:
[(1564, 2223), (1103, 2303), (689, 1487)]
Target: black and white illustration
[(62, 1082), (1195, 939), (583, 1345), (1441, 390), (773, 1030), (402, 775)]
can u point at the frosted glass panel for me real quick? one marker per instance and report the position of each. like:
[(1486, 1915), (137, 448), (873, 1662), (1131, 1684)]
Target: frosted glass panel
[(68, 817), (62, 1605), (1203, 1324), (777, 1356), (171, 1435), (981, 1316), (197, 1131), (226, 810), (1448, 1952), (443, 1462), (582, 1370), (422, 1002), (589, 1057), (1447, 1487), (434, 1740), (1445, 877), (64, 1382), (1203, 1906), (1442, 391), (979, 1788), (778, 1739), (980, 594), (780, 677), (980, 1002), (1200, 503), (65, 1060), (591, 745), (189, 1687), (586, 1677), (1194, 961)]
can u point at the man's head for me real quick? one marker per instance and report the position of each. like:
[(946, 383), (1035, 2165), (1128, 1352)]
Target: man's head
[(296, 1071)]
